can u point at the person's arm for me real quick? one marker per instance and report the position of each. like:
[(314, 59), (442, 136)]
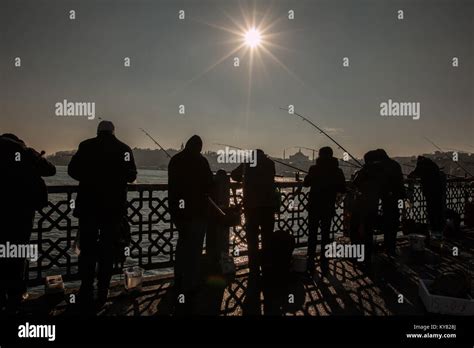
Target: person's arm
[(400, 182), (130, 168), (237, 173), (416, 173), (46, 168), (173, 189), (341, 182), (358, 177), (41, 164), (74, 168), (309, 177), (209, 177)]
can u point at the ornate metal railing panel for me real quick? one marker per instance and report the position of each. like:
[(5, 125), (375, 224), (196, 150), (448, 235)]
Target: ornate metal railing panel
[(154, 236)]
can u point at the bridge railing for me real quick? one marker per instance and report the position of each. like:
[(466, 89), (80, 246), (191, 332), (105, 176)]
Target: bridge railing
[(154, 235)]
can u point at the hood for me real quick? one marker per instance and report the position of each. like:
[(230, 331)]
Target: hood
[(194, 144)]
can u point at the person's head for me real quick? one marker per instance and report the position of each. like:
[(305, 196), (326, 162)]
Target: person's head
[(423, 162), (381, 154), (194, 144), (325, 152), (426, 162), (105, 127), (370, 157), (12, 137), (221, 173)]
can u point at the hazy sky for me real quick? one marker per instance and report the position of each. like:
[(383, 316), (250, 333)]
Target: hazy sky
[(82, 60)]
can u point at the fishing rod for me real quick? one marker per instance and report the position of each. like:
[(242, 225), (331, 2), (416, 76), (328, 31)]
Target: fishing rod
[(344, 164), (327, 135), (210, 200), (280, 162), (283, 163), (449, 158), (459, 150), (161, 147), (235, 147), (412, 166)]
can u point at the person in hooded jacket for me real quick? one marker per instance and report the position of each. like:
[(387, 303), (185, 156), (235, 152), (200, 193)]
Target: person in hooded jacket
[(392, 192), (23, 191), (190, 183), (326, 181), (433, 185), (259, 205), (370, 183)]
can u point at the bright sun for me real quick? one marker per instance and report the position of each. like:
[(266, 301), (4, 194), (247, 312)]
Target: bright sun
[(252, 38)]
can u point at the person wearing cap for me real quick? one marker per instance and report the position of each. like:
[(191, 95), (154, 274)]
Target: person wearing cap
[(326, 181), (103, 166)]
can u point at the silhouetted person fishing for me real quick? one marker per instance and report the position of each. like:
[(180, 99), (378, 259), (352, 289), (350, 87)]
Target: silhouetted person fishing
[(393, 190), (103, 166), (433, 185), (369, 182), (327, 181), (189, 186), (260, 204), (22, 192)]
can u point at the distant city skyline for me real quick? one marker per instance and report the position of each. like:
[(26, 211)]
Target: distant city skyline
[(186, 62)]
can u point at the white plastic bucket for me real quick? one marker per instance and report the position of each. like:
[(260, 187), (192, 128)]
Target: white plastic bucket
[(133, 278), (54, 284)]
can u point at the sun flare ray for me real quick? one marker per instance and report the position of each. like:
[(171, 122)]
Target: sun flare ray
[(255, 40)]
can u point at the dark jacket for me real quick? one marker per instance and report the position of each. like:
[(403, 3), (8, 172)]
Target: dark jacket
[(221, 189), (103, 166), (433, 180), (395, 186), (259, 182), (21, 172), (370, 182), (189, 182), (326, 179)]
